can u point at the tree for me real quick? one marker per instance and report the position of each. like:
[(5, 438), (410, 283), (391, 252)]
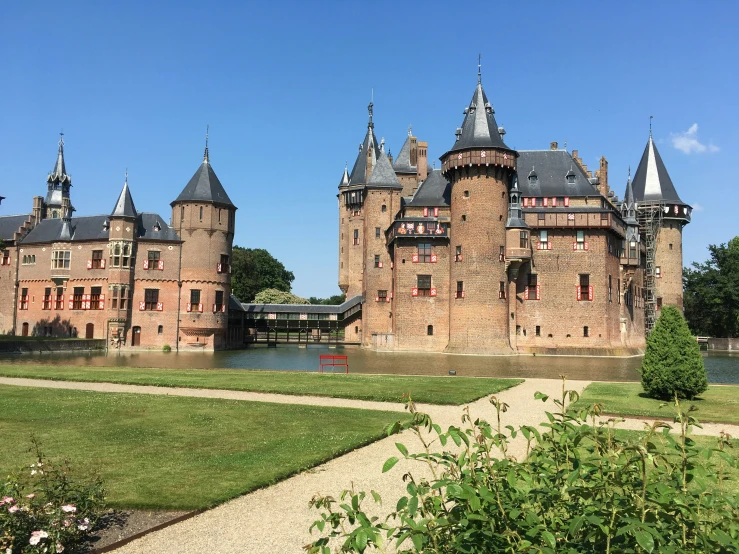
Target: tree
[(672, 362), (255, 269), (274, 296), (334, 300), (711, 292)]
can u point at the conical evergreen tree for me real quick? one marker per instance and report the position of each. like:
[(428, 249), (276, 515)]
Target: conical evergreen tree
[(672, 362)]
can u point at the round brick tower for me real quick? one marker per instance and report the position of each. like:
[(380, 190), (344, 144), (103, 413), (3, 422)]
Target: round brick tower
[(654, 192), (479, 167), (204, 218)]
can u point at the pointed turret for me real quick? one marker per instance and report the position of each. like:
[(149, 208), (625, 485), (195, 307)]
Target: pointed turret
[(124, 207), (628, 211), (651, 180), (407, 160), (383, 175), (367, 156), (58, 184), (204, 186), (479, 128), (344, 178)]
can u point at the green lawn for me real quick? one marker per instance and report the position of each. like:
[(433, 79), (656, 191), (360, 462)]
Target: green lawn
[(717, 404), (160, 452), (450, 390)]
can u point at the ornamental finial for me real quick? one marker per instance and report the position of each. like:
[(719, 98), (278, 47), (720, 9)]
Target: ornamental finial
[(206, 156)]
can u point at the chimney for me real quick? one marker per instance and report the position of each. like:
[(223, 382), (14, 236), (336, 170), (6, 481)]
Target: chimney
[(553, 146), (38, 208), (423, 163), (602, 174)]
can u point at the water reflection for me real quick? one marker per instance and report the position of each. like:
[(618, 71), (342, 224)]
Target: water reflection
[(721, 368)]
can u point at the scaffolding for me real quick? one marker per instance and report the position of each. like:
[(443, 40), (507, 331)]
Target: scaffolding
[(649, 216)]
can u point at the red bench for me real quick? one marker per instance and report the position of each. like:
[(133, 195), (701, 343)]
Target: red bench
[(329, 360)]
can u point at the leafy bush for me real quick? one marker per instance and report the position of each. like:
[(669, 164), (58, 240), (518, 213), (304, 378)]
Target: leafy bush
[(580, 489), (166, 348), (43, 511), (672, 363)]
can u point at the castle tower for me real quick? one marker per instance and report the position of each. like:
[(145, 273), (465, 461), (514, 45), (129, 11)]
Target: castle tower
[(381, 203), (653, 190), (58, 185), (479, 166), (122, 232), (203, 216), (351, 214), (517, 251)]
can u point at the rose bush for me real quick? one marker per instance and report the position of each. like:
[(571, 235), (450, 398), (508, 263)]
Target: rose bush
[(43, 511)]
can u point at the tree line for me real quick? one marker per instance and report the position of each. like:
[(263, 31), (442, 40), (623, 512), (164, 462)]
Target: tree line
[(258, 277)]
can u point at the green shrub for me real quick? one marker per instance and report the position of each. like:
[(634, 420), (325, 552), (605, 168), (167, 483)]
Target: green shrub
[(672, 363), (580, 489), (43, 511), (166, 348)]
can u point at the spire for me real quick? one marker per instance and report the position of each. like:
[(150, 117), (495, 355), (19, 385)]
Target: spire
[(479, 128), (206, 156), (368, 149), (345, 177), (124, 207), (479, 69), (59, 174), (651, 180), (204, 186)]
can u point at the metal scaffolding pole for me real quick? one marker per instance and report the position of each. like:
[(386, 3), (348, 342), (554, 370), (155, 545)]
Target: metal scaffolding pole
[(649, 216)]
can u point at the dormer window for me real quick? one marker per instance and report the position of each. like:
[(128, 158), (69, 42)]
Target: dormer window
[(533, 178), (570, 178), (157, 227)]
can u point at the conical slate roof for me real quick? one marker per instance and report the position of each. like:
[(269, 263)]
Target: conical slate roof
[(344, 179), (402, 163), (479, 128), (628, 208), (359, 171), (204, 187), (124, 206), (651, 180), (383, 175)]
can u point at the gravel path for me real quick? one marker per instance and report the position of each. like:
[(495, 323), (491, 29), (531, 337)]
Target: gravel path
[(276, 519)]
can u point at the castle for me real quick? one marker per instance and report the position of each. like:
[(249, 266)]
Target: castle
[(502, 251), (127, 277)]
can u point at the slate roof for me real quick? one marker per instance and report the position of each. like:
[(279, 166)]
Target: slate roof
[(204, 187), (359, 171), (434, 191), (515, 218), (479, 128), (124, 206), (10, 224), (382, 175), (402, 164), (94, 228), (651, 180), (59, 173), (551, 168), (344, 179), (303, 308)]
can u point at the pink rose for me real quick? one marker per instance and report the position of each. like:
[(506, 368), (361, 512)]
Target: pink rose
[(69, 508), (37, 536), (13, 509)]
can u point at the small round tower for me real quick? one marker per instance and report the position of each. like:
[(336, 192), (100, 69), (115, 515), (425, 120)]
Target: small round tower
[(658, 201), (204, 218)]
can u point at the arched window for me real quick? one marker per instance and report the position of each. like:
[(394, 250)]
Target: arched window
[(182, 213), (201, 213), (430, 330)]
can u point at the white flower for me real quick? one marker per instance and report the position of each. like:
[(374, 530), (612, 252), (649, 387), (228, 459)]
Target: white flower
[(59, 547), (37, 536), (33, 472), (85, 525), (69, 508)]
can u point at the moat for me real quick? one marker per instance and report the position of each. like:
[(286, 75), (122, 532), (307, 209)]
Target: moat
[(721, 368)]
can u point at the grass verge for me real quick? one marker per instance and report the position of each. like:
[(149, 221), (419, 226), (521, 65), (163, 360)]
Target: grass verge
[(430, 390), (718, 404), (178, 453)]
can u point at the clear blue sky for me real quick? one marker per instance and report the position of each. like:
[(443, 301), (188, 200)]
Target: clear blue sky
[(284, 87)]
